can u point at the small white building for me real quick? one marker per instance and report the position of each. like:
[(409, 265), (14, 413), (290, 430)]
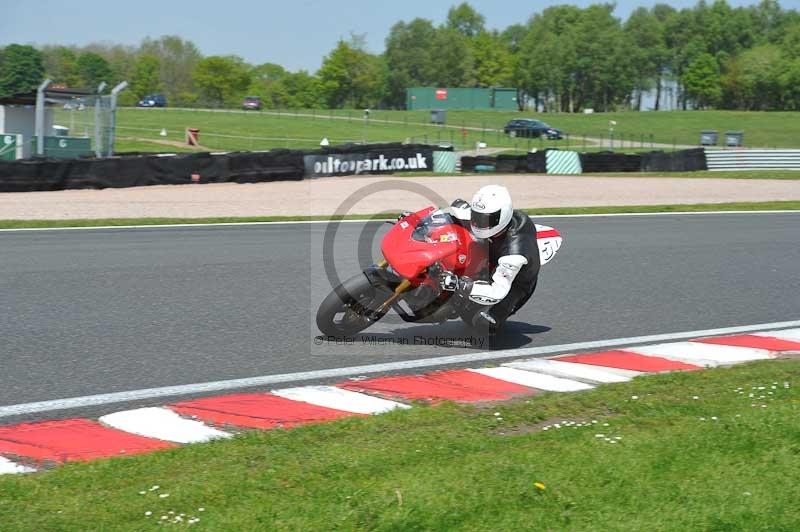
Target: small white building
[(21, 120), (18, 117)]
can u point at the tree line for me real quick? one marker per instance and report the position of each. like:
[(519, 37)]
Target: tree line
[(564, 59)]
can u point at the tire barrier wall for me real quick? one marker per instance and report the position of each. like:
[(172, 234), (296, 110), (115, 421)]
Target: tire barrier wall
[(565, 162), (753, 159), (677, 161), (531, 163), (236, 167), (610, 162)]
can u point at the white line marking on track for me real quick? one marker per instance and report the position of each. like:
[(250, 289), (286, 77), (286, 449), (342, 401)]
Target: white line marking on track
[(8, 467), (532, 379), (703, 354), (162, 424), (571, 370), (339, 399), (306, 222), (466, 358)]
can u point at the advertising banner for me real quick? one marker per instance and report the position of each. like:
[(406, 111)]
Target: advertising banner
[(379, 161)]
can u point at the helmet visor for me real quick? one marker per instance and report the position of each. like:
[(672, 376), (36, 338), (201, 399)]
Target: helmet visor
[(485, 220)]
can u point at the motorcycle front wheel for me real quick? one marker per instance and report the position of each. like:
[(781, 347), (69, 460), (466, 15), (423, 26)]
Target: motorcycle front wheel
[(349, 309)]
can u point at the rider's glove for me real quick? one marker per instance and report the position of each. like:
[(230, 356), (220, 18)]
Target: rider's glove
[(403, 215), (449, 281)]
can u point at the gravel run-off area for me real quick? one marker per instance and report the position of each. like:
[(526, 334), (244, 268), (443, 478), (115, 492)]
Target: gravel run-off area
[(372, 195)]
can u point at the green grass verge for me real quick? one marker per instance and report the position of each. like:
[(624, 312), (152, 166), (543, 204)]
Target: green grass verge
[(696, 452), (304, 129), (634, 131), (102, 222)]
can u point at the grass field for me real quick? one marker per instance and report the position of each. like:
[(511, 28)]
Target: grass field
[(691, 451), (238, 130), (304, 129)]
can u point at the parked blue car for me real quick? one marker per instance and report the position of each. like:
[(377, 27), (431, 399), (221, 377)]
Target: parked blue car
[(152, 100)]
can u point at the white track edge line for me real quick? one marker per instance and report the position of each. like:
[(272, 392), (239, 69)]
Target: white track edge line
[(249, 382), (306, 222)]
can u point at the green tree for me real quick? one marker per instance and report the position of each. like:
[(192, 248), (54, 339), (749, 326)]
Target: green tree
[(789, 80), (647, 52), (573, 58), (663, 14), (178, 59), (546, 67), (21, 69), (304, 91), (92, 69), (452, 60), (268, 72), (702, 81), (409, 58), (120, 58), (60, 65), (465, 20), (222, 80), (493, 60), (145, 78), (350, 76), (752, 79), (512, 36), (267, 84)]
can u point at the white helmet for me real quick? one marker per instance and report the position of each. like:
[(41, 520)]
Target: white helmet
[(491, 211)]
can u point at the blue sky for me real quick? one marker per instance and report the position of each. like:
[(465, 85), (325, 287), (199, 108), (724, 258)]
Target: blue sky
[(293, 33)]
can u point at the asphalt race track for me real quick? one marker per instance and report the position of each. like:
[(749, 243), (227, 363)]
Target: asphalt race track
[(98, 311)]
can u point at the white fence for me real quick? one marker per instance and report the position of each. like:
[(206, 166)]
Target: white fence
[(753, 159)]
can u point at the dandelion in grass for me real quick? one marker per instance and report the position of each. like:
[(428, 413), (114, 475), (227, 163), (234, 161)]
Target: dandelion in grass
[(539, 486)]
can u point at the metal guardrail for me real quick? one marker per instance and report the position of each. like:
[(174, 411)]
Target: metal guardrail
[(753, 159)]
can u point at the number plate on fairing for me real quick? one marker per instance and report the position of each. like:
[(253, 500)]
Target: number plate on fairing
[(549, 241)]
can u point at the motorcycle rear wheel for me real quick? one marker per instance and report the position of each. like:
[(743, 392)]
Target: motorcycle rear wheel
[(342, 312)]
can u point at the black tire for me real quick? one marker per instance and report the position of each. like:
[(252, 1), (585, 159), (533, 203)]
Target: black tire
[(341, 313)]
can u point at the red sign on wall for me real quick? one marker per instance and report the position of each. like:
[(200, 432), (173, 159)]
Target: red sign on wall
[(441, 94)]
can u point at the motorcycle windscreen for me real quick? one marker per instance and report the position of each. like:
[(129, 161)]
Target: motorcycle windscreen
[(549, 241)]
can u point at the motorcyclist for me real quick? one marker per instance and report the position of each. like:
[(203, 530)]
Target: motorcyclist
[(513, 258)]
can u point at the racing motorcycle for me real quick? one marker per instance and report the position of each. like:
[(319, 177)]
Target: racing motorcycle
[(417, 251)]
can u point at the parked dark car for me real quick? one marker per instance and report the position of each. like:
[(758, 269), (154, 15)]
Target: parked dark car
[(152, 100), (251, 103), (528, 127)]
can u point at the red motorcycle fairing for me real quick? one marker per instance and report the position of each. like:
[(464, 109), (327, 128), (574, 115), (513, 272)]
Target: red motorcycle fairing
[(426, 237)]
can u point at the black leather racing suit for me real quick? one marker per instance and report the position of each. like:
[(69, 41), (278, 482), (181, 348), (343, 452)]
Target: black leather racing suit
[(514, 256)]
